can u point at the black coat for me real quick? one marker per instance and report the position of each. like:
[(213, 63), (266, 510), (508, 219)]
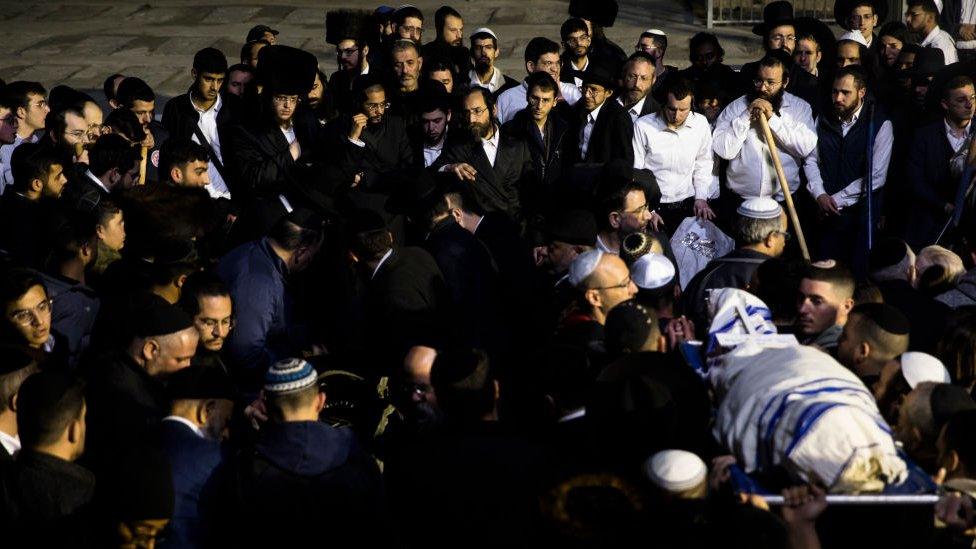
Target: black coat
[(45, 501), (180, 118), (23, 226), (341, 87), (386, 153), (612, 136), (496, 187), (547, 158), (472, 282), (928, 317), (458, 56), (930, 184)]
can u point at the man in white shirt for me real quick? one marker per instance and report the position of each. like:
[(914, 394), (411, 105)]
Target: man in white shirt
[(837, 168), (576, 40), (15, 367), (29, 103), (922, 17), (966, 40), (739, 139), (484, 53), (675, 144), (541, 54)]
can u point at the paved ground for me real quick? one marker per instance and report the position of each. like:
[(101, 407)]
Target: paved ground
[(80, 42)]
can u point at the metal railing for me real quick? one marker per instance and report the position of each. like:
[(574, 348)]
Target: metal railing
[(742, 12)]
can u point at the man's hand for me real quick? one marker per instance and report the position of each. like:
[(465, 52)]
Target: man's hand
[(803, 504), (828, 205), (761, 107), (955, 510), (295, 149), (257, 412), (656, 222), (702, 211), (540, 254), (464, 172), (720, 473), (967, 32), (148, 142), (358, 125), (678, 331)]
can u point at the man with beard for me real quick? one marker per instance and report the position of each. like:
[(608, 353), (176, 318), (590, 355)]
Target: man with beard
[(621, 208), (576, 43), (738, 137), (601, 130), (435, 116), (568, 233), (676, 146), (207, 300), (346, 30), (837, 167), (493, 162), (544, 132), (597, 15), (484, 53), (654, 42), (922, 17), (408, 24), (113, 165), (708, 62), (778, 30), (203, 114), (8, 121), (449, 44), (637, 80), (932, 187), (134, 94), (541, 55), (27, 203), (376, 143)]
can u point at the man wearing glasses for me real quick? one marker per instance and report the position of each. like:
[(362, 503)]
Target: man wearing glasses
[(344, 30), (28, 101), (27, 310), (738, 136), (576, 48), (207, 300), (376, 142), (778, 30), (604, 282)]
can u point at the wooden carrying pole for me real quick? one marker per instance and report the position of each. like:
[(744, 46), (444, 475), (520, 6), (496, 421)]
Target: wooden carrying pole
[(784, 187), (142, 165)]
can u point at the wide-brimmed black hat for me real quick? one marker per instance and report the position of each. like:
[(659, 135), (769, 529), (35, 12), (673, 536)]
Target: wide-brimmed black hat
[(417, 191), (843, 9), (600, 75), (599, 12), (774, 14)]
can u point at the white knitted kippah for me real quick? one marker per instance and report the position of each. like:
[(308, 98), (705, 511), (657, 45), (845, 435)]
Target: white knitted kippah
[(760, 208), (652, 271), (918, 367), (675, 470), (583, 266), (485, 30)]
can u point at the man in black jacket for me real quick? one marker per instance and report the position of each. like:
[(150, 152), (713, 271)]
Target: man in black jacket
[(136, 95), (494, 163), (601, 130), (205, 115), (346, 30), (38, 178), (16, 367), (301, 480)]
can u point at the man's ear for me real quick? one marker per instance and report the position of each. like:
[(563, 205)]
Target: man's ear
[(320, 402), (176, 174), (593, 298), (193, 73), (952, 461), (848, 304), (75, 428), (150, 349), (862, 353), (364, 52), (36, 185), (529, 67), (181, 281), (662, 344), (12, 402), (420, 63), (614, 218), (204, 411)]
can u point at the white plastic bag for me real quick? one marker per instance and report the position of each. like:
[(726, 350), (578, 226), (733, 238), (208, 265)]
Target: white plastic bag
[(694, 244)]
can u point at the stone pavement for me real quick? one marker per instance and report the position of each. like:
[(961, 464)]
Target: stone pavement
[(81, 42)]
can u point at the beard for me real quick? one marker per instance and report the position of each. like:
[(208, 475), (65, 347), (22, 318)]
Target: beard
[(776, 99), (631, 97), (480, 130), (845, 113), (482, 65)]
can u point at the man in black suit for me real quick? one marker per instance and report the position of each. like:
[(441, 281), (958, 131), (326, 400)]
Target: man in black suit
[(637, 80), (113, 165), (495, 164), (405, 292), (601, 130), (346, 30), (15, 367), (929, 179)]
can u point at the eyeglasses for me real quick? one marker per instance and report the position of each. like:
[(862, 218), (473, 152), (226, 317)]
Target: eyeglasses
[(25, 317), (786, 236), (707, 56), (783, 37), (579, 40), (477, 112), (411, 29), (760, 83), (371, 107), (645, 49), (625, 284), (286, 100), (78, 134), (211, 323), (347, 52), (636, 211), (547, 64)]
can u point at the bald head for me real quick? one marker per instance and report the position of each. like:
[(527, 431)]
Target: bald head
[(608, 285)]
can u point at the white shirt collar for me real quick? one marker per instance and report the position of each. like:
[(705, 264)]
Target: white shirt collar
[(96, 180), (440, 144), (635, 108), (583, 68), (380, 264), (365, 69), (11, 443), (575, 414), (478, 224), (193, 426), (854, 119), (215, 108), (952, 130), (930, 37), (493, 84), (493, 141)]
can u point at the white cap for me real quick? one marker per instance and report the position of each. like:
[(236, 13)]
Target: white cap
[(760, 208), (675, 470), (854, 35), (658, 32), (485, 30), (652, 271), (919, 367), (583, 266)]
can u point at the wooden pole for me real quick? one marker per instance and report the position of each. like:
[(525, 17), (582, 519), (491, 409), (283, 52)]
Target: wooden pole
[(784, 186), (142, 165)]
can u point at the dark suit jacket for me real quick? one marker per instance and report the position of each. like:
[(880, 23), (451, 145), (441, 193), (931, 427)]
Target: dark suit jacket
[(193, 460), (496, 187), (387, 150), (547, 161), (611, 138), (930, 184)]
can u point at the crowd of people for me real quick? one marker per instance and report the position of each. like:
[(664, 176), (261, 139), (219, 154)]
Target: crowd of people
[(421, 302)]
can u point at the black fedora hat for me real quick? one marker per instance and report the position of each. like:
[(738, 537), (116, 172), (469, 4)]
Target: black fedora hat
[(775, 14), (601, 75), (843, 9)]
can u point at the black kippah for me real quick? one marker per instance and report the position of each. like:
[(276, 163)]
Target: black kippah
[(306, 219), (627, 328), (886, 253), (885, 316), (365, 220), (157, 317), (200, 383)]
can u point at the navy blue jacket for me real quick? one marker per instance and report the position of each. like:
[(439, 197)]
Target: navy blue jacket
[(265, 331), (930, 184), (73, 314), (193, 460), (843, 159)]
